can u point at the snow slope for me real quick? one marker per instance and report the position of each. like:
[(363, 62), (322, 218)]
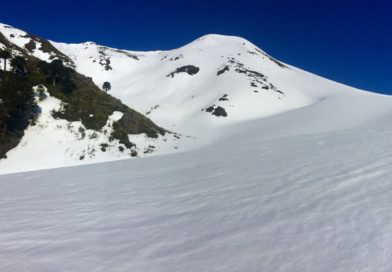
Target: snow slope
[(296, 177), (33, 45), (305, 190), (232, 73), (196, 90), (51, 142)]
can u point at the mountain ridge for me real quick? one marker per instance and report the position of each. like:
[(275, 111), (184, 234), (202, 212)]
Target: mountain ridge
[(198, 89), (80, 109)]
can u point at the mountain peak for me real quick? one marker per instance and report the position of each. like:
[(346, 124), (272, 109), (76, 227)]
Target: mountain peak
[(88, 43), (222, 43), (219, 39), (214, 81)]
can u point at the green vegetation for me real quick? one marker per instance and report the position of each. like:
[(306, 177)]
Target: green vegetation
[(56, 72), (82, 101), (48, 48), (17, 109), (92, 107), (19, 65), (121, 134)]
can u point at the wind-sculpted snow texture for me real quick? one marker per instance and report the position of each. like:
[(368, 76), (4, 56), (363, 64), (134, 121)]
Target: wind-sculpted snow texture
[(307, 190), (288, 172)]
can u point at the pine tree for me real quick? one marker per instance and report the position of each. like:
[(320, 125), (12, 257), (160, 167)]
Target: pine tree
[(18, 65), (55, 68), (5, 54), (106, 86)]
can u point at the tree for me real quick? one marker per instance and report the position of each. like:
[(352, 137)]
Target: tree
[(44, 67), (56, 72), (106, 86), (5, 54), (18, 103), (18, 65), (55, 69), (68, 85)]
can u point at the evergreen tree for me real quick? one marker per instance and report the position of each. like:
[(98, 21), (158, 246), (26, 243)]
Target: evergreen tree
[(68, 85), (44, 67), (56, 73), (55, 69), (5, 54), (19, 65), (106, 86), (18, 103)]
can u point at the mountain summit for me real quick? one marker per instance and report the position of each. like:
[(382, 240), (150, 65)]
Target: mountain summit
[(275, 169), (196, 90)]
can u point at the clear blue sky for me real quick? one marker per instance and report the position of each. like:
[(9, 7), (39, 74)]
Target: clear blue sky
[(349, 41)]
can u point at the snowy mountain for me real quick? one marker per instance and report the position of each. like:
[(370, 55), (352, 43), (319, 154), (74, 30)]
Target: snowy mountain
[(196, 90), (282, 170), (304, 190), (78, 126), (215, 80)]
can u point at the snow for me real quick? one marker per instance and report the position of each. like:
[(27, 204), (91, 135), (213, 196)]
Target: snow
[(179, 103), (62, 142), (67, 143), (20, 38), (306, 190), (14, 35), (254, 86), (143, 84), (299, 181)]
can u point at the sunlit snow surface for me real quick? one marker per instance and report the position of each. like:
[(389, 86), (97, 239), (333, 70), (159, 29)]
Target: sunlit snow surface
[(306, 189), (277, 195), (234, 76)]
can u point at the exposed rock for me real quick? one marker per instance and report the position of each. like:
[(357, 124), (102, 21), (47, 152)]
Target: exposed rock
[(281, 65), (48, 48), (104, 61), (255, 77), (223, 70), (224, 98), (189, 69), (217, 111), (31, 45)]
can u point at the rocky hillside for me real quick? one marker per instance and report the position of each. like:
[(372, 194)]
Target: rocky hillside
[(63, 115), (215, 80), (196, 90)]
